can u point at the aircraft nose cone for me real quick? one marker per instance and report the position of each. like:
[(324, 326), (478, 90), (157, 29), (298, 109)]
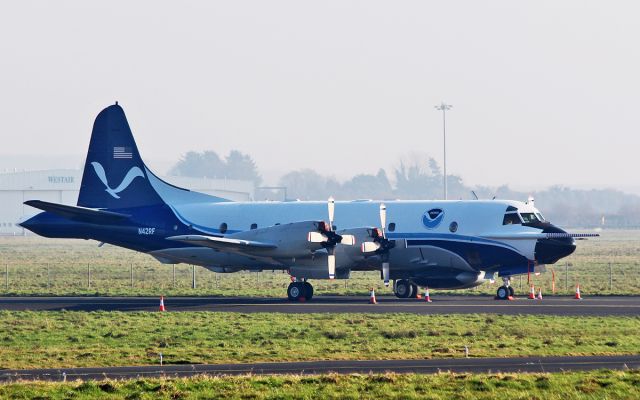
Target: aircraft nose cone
[(549, 251)]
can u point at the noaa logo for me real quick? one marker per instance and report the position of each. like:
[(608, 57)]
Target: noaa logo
[(432, 218), (132, 174)]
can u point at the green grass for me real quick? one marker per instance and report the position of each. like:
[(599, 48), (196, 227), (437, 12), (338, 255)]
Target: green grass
[(59, 267), (561, 386), (66, 339)]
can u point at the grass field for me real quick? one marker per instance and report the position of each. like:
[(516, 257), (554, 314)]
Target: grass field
[(66, 339), (560, 386), (59, 267)]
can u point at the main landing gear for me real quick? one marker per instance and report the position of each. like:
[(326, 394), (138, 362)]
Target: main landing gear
[(300, 290), (505, 292), (404, 289)]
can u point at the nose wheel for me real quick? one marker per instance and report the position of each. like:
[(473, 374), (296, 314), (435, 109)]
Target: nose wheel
[(298, 291), (505, 292)]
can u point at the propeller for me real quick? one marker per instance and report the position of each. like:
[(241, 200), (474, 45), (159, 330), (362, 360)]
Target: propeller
[(329, 239), (380, 244)]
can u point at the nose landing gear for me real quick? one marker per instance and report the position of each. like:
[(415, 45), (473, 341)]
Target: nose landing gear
[(505, 292), (297, 291)]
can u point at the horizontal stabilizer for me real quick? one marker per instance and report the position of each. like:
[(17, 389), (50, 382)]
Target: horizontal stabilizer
[(90, 215), (222, 243)]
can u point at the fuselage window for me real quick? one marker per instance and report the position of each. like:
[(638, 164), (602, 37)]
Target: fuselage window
[(529, 218), (223, 227), (453, 227), (254, 226), (392, 226), (511, 219)]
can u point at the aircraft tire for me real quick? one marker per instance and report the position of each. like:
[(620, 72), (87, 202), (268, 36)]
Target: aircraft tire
[(403, 289), (502, 293), (295, 291), (414, 291), (512, 292), (308, 291)]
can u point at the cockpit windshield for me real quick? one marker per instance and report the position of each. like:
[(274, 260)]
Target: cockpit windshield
[(529, 218), (513, 217)]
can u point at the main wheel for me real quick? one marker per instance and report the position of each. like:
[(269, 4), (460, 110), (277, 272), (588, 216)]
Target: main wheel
[(403, 289), (308, 290), (502, 293), (414, 291), (295, 291), (512, 292)]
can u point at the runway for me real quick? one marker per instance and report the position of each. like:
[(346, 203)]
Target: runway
[(589, 306), (475, 365)]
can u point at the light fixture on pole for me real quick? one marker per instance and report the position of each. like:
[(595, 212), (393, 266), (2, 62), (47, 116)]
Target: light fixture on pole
[(444, 107)]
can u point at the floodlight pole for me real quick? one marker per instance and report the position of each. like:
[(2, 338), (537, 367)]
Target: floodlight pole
[(444, 107)]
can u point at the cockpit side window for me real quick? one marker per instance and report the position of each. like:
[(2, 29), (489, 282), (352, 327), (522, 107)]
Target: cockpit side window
[(540, 217), (511, 219)]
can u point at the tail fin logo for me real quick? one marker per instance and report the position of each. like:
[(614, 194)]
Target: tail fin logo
[(132, 174)]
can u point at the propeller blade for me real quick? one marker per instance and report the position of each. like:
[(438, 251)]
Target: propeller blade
[(369, 247), (331, 263), (385, 273), (331, 204), (348, 240), (316, 237), (383, 218)]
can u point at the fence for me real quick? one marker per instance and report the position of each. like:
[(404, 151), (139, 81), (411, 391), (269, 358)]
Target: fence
[(151, 278)]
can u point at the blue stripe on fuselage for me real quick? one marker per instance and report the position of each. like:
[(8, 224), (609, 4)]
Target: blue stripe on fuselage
[(447, 236)]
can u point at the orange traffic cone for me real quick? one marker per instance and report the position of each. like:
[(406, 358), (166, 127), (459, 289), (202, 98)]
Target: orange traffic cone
[(427, 298), (539, 294), (162, 304), (532, 293), (578, 297), (372, 297)]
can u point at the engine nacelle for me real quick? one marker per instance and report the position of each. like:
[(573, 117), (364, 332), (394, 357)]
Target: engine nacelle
[(290, 239)]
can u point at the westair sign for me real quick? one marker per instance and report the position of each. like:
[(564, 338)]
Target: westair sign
[(60, 179)]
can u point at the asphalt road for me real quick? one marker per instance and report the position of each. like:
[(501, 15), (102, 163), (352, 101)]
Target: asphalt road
[(589, 306), (476, 365)]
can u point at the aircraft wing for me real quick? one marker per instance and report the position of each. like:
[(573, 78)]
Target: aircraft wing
[(223, 243), (84, 214)]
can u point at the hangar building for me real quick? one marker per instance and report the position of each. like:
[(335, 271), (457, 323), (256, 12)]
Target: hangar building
[(63, 186)]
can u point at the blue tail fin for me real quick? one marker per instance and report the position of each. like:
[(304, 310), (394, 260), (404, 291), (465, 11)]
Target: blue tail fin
[(114, 174)]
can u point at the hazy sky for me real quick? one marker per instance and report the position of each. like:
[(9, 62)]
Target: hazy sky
[(544, 92)]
